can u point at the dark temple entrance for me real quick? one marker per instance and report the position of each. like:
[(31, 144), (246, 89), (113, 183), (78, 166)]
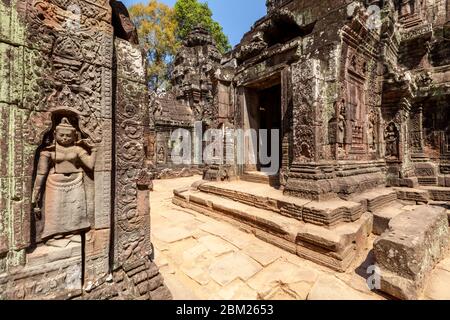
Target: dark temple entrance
[(270, 119), (263, 111)]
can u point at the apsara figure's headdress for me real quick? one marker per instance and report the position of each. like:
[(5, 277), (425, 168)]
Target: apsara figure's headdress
[(65, 124)]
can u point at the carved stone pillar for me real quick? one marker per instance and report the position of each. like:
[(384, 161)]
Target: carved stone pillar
[(400, 169), (424, 169), (416, 133), (287, 122), (68, 102), (308, 178)]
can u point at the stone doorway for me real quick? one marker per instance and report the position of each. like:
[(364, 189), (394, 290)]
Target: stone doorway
[(270, 119), (263, 112)]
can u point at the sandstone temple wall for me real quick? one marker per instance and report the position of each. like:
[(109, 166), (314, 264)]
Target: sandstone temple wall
[(64, 68)]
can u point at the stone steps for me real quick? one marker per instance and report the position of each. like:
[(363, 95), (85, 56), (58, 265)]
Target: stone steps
[(376, 199), (383, 216), (383, 203), (438, 193), (328, 232), (424, 194), (335, 248), (327, 213), (412, 194)]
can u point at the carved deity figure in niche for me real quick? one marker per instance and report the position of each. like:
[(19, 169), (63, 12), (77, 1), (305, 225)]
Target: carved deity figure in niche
[(305, 154), (161, 156), (341, 126), (62, 168), (447, 140), (392, 138)]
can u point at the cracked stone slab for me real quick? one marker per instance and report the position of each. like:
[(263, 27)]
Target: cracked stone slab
[(263, 254), (296, 291), (233, 266), (444, 264), (198, 274), (282, 272), (329, 287), (171, 235), (216, 246), (438, 285), (194, 253), (237, 238), (237, 290)]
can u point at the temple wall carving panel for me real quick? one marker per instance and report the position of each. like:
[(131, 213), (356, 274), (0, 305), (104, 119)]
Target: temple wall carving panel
[(74, 118)]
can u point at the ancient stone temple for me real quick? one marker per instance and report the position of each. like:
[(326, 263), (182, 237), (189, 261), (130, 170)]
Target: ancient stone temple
[(74, 190), (191, 99), (359, 93)]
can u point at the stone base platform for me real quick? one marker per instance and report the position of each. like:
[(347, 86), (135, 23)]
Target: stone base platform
[(260, 177), (54, 271), (328, 213), (324, 181), (408, 200), (330, 233)]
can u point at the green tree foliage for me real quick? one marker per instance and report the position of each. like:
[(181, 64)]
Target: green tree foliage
[(192, 13), (162, 28), (156, 26)]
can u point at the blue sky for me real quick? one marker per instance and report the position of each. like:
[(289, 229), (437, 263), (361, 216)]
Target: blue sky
[(235, 16)]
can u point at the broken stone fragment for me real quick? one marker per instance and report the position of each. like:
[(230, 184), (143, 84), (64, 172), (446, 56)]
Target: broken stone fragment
[(410, 249)]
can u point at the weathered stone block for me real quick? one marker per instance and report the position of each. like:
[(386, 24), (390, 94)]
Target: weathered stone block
[(4, 215), (444, 180), (161, 293), (381, 219), (439, 193), (44, 255), (408, 194), (11, 73), (12, 28), (415, 242), (97, 254), (129, 61)]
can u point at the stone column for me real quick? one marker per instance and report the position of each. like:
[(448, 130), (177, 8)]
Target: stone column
[(308, 177), (400, 169), (132, 244), (416, 133), (286, 127)]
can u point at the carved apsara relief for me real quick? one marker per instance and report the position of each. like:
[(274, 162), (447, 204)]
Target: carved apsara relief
[(59, 191), (392, 140)]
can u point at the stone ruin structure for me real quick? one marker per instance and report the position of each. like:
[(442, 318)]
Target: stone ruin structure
[(74, 190), (360, 93), (192, 98)]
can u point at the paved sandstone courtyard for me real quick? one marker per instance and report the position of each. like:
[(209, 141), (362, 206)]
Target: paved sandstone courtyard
[(204, 258)]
